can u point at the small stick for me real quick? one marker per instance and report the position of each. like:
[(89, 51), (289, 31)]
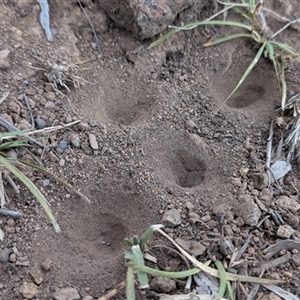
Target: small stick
[(5, 95), (47, 129), (13, 185), (253, 292), (285, 26), (269, 146), (30, 112), (114, 291), (2, 193), (243, 249), (10, 213), (277, 262), (280, 245), (93, 28), (11, 127)]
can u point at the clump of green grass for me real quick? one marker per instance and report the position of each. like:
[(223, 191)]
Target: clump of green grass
[(253, 26), (135, 264)]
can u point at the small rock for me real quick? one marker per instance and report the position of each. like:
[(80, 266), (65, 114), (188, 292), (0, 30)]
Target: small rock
[(29, 92), (171, 218), (61, 147), (14, 107), (49, 105), (13, 258), (163, 285), (193, 215), (260, 180), (40, 123), (46, 182), (270, 296), (193, 247), (228, 232), (205, 218), (275, 275), (288, 204), (296, 259), (10, 222), (245, 198), (36, 274), (50, 96), (237, 182), (226, 248), (62, 163), (218, 209), (66, 294), (244, 171), (266, 195), (4, 254), (284, 231), (84, 126), (28, 290), (46, 264), (292, 220), (190, 125), (7, 118), (249, 212), (24, 124), (74, 140), (88, 298), (189, 205), (93, 142), (3, 63)]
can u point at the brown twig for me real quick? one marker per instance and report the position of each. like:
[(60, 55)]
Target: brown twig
[(277, 262), (114, 291)]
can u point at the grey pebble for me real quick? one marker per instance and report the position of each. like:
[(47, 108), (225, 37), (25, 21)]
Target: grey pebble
[(75, 140), (226, 248), (164, 285), (61, 147), (40, 123), (66, 294), (249, 212), (4, 254), (46, 182), (171, 218)]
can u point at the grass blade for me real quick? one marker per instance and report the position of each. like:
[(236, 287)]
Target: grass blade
[(163, 38), (222, 275), (196, 24), (283, 85), (139, 260), (147, 234), (155, 272), (130, 284), (32, 188), (13, 144), (229, 290), (11, 134), (215, 22), (285, 47), (227, 38), (61, 181), (250, 67)]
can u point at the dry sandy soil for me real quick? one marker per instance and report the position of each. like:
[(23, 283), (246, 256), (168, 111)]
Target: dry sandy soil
[(159, 145)]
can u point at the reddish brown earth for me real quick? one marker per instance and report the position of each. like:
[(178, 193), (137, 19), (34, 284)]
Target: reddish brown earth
[(160, 146)]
